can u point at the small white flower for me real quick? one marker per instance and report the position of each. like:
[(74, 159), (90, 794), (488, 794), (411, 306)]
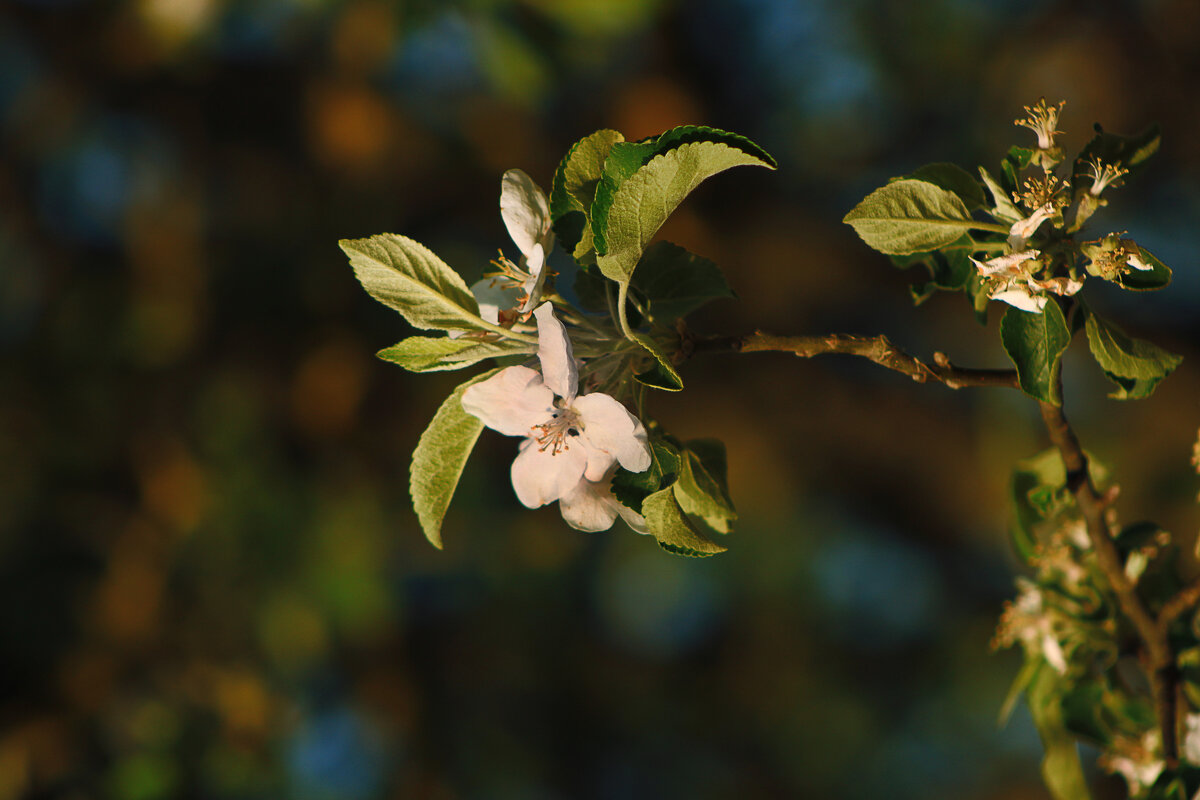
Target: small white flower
[(1103, 175), (572, 444), (516, 288), (1009, 279), (1136, 760), (1191, 739), (1023, 229), (1042, 119)]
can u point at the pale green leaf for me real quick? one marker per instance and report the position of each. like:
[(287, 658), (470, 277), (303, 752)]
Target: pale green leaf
[(405, 275), (575, 181), (1124, 356), (1035, 343), (574, 189), (626, 158), (644, 201), (438, 461), (701, 489), (434, 354), (910, 216), (671, 528), (1003, 207), (1061, 769)]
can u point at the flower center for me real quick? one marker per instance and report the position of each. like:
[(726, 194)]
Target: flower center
[(555, 434)]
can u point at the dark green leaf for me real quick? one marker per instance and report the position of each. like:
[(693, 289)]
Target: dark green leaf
[(1035, 343), (674, 282), (1139, 280)]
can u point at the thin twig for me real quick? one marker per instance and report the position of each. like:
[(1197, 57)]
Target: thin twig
[(1181, 603), (1164, 677), (874, 348)]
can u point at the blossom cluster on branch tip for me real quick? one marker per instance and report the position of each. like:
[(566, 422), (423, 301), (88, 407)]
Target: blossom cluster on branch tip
[(572, 443)]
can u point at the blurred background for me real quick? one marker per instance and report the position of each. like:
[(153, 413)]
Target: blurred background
[(212, 584)]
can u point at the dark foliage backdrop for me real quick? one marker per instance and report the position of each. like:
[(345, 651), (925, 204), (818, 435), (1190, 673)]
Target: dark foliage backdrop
[(211, 582)]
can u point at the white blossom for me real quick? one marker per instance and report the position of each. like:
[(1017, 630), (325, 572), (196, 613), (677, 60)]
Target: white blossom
[(1042, 119), (573, 443), (1023, 229), (1010, 279), (516, 288)]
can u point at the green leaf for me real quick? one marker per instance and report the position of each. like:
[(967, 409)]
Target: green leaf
[(438, 461), (1135, 365), (1035, 343), (1146, 280), (1061, 769), (574, 189), (632, 488), (435, 354), (1002, 204), (643, 202), (910, 216), (671, 528), (952, 178), (674, 282), (662, 374), (701, 489), (406, 276), (626, 158)]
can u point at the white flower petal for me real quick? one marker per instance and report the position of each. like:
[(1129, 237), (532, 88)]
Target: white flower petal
[(609, 427), (535, 263), (525, 210), (1007, 263), (1023, 229), (1135, 261), (541, 476), (590, 506), (512, 401), (554, 351), (494, 296), (1021, 299), (632, 518)]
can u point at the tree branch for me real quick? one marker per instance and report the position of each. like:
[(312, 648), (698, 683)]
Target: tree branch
[(874, 348), (1164, 677), (1181, 603)]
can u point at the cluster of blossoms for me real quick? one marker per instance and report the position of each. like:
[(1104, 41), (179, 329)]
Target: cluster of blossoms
[(1025, 276), (573, 443)]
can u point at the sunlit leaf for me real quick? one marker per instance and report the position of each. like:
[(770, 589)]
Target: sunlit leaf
[(433, 354), (910, 216), (642, 203), (671, 528), (404, 275), (439, 459)]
